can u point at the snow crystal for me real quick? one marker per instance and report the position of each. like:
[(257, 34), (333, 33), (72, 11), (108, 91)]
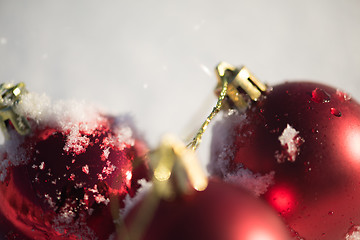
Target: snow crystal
[(256, 183), (67, 116), (72, 177), (105, 154), (42, 166), (140, 193), (77, 228), (123, 137), (85, 169), (287, 138), (11, 153), (112, 237), (222, 154), (290, 141), (342, 95), (71, 117), (101, 199), (76, 143), (66, 214), (49, 200), (353, 234), (75, 118), (94, 190), (108, 169), (35, 106), (4, 164)]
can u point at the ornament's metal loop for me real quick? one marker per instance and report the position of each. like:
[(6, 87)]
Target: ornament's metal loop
[(231, 81), (243, 85), (10, 95), (173, 158)]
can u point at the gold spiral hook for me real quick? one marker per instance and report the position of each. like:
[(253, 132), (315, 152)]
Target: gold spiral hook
[(238, 86)]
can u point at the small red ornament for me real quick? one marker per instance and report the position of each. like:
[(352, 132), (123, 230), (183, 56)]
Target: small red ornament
[(308, 134), (221, 211), (173, 209), (67, 179)]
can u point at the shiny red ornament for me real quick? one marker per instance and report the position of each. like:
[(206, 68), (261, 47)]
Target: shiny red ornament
[(220, 212), (69, 184), (308, 134)]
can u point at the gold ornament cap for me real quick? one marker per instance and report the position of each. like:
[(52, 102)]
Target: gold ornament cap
[(176, 173), (243, 86), (236, 88), (10, 96), (176, 169)]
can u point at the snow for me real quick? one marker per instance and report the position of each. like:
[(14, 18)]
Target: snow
[(101, 199), (74, 118), (42, 166), (85, 169), (254, 182), (78, 228), (290, 142), (353, 234), (11, 153), (68, 116), (287, 138), (221, 152), (131, 202), (4, 164), (88, 56)]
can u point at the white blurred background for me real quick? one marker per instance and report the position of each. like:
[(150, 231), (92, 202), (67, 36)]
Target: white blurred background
[(155, 59)]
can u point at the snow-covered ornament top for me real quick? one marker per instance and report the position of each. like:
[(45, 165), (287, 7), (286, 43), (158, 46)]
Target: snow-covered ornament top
[(71, 172)]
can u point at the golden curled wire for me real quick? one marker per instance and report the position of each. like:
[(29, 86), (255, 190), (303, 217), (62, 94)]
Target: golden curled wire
[(197, 139)]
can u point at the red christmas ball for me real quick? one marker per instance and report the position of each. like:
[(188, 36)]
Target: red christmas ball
[(68, 178), (221, 211), (308, 135)]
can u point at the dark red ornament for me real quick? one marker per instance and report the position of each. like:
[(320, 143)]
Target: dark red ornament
[(309, 135), (70, 184), (221, 211)]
